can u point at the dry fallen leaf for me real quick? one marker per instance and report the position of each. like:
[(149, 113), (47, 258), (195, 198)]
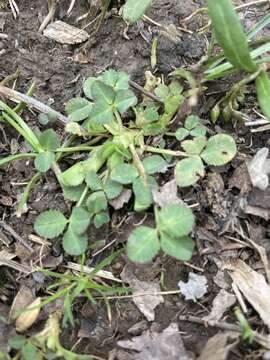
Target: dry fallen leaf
[(221, 303), (23, 298), (253, 286), (216, 347), (167, 194), (259, 168), (167, 345), (195, 288), (64, 33), (145, 303), (120, 200), (27, 318)]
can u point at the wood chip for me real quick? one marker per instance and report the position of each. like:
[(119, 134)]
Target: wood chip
[(64, 33), (253, 286)]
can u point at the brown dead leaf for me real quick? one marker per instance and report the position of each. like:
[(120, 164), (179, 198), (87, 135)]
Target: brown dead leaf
[(241, 179), (221, 303), (122, 199), (23, 298), (27, 318), (151, 345), (167, 194), (148, 301), (64, 33), (216, 347), (253, 286)]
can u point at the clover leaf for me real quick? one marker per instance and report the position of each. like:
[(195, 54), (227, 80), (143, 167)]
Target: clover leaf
[(50, 224)]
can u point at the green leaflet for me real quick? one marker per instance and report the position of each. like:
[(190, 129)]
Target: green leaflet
[(134, 9), (263, 93), (230, 35)]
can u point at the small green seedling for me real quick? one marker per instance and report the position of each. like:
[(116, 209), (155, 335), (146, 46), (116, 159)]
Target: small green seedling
[(218, 150), (230, 36), (173, 225), (247, 332)]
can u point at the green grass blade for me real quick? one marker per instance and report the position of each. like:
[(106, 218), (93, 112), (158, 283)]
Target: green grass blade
[(230, 35), (227, 68), (258, 27)]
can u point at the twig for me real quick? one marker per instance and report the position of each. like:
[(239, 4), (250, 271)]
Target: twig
[(16, 236), (153, 293), (145, 92), (32, 102), (259, 338)]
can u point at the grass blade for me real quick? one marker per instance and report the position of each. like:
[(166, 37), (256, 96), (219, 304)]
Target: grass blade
[(230, 35), (263, 93)]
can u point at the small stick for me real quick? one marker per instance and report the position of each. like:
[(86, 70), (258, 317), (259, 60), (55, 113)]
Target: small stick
[(32, 102), (16, 236), (145, 92)]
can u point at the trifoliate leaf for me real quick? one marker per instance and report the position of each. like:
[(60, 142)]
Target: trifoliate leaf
[(29, 351), (118, 80), (44, 160), (154, 164), (50, 224), (188, 171), (73, 243), (195, 146), (143, 244), (191, 122), (180, 248), (175, 88), (176, 220), (49, 140), (112, 189), (124, 99), (134, 9), (124, 174), (102, 92), (73, 176), (78, 109), (101, 219), (181, 134), (79, 220), (17, 342), (96, 202), (101, 112), (220, 150)]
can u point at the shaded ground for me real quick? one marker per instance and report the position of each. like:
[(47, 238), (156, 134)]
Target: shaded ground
[(59, 72)]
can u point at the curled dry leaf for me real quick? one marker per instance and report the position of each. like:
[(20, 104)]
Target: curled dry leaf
[(167, 194), (23, 298), (195, 288), (120, 200), (148, 300), (259, 169), (28, 317)]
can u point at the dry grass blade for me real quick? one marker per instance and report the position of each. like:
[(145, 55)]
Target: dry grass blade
[(71, 6), (87, 270), (16, 236), (253, 286), (14, 8)]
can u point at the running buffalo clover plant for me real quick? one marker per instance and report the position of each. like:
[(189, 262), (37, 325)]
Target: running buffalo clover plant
[(110, 127)]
